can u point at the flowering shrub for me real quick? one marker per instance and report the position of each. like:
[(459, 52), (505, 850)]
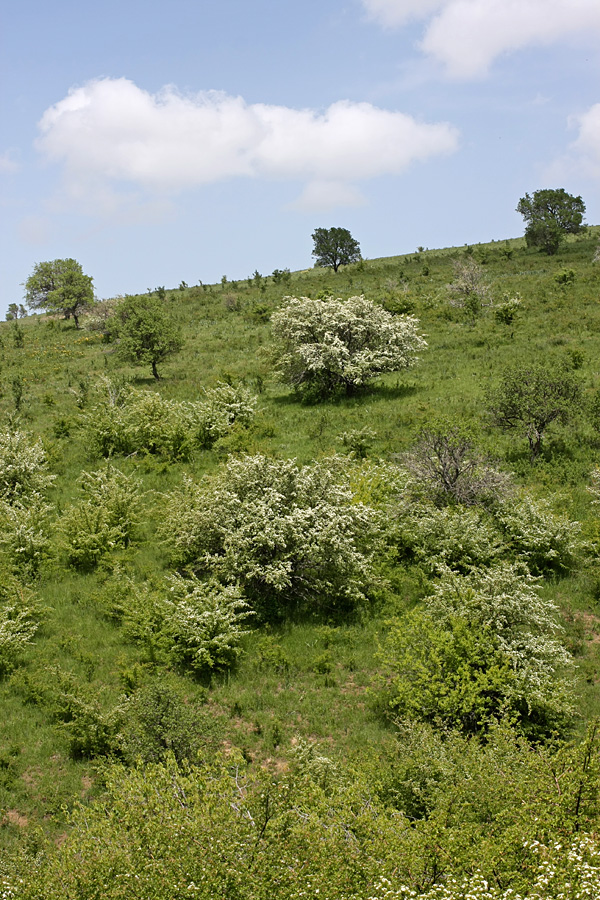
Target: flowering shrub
[(23, 467), (19, 614), (484, 646), (570, 872), (292, 536), (328, 344), (458, 538), (205, 623), (546, 542)]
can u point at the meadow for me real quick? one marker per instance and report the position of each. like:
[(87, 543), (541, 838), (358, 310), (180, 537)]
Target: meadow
[(92, 687)]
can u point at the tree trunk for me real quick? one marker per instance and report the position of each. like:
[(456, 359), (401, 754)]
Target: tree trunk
[(155, 370)]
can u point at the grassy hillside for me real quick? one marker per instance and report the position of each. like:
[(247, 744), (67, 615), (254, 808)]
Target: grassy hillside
[(304, 678)]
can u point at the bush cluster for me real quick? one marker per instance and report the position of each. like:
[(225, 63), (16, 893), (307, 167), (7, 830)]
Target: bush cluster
[(126, 420)]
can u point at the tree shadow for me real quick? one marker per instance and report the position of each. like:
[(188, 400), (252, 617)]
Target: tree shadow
[(372, 392)]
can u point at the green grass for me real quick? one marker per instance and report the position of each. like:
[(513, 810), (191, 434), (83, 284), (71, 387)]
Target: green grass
[(305, 680)]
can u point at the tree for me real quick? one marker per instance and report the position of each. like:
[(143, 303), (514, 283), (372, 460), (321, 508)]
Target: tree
[(327, 344), (334, 247), (59, 287), (550, 215), (532, 397), (145, 332)]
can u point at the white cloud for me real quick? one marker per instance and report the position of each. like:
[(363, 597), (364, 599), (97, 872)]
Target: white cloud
[(323, 196), (466, 36), (7, 164), (587, 145), (397, 12), (583, 155), (110, 131)]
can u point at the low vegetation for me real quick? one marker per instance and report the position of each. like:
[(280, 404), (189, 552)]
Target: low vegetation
[(316, 612)]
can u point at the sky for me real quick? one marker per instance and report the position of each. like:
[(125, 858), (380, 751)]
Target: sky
[(161, 142)]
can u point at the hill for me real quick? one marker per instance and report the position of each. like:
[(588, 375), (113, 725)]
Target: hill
[(100, 681)]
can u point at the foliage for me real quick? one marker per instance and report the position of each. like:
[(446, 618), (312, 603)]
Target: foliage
[(530, 397), (205, 622), (334, 247), (23, 467), (292, 535), (322, 345), (484, 647), (550, 215), (455, 538), (59, 287), (25, 533), (546, 542), (506, 311), (163, 723), (19, 616), (145, 332), (125, 420), (104, 519), (470, 287)]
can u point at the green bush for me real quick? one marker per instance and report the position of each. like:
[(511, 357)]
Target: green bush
[(485, 646), (19, 617), (205, 623), (105, 518), (126, 421)]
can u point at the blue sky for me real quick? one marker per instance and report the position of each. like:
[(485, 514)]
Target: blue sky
[(157, 142)]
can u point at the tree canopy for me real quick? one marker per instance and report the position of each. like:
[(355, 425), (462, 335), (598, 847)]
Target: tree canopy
[(146, 333), (531, 397), (549, 216), (334, 247), (59, 286)]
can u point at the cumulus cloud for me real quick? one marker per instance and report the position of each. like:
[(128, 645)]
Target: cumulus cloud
[(466, 36), (587, 146), (110, 131), (583, 154)]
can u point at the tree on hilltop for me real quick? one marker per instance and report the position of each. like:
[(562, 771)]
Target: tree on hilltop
[(59, 287), (334, 247), (550, 215)]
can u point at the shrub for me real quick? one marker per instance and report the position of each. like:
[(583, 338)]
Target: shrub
[(293, 536), (205, 623), (127, 420), (24, 533), (19, 615), (484, 647), (23, 467), (535, 535), (324, 345), (105, 518), (447, 466), (458, 538)]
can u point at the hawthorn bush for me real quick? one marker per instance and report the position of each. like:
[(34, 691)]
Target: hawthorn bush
[(292, 536), (322, 346), (104, 519), (485, 646)]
